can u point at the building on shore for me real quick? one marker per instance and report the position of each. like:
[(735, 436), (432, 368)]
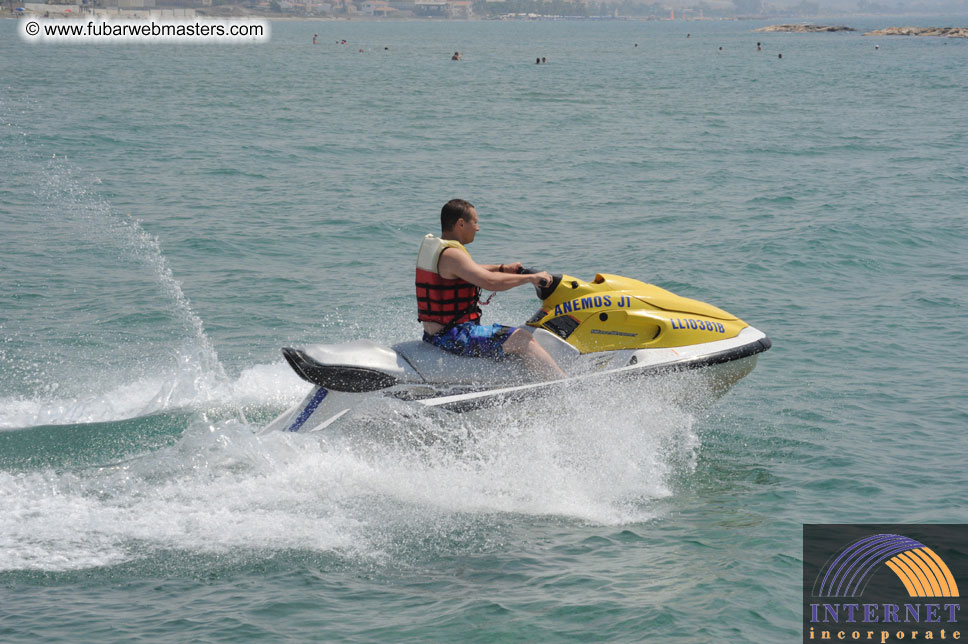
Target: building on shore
[(460, 9), (456, 9), (430, 8), (380, 8)]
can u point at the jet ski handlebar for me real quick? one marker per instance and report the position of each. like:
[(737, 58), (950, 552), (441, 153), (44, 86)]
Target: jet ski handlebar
[(543, 289)]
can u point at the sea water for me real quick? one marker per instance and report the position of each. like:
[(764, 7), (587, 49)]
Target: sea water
[(171, 215)]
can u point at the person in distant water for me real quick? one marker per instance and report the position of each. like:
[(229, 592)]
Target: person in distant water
[(449, 287), (537, 61), (456, 56), (315, 39), (759, 47), (780, 56), (543, 60)]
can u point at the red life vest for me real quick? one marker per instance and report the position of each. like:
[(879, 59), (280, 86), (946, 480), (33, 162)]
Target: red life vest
[(441, 300)]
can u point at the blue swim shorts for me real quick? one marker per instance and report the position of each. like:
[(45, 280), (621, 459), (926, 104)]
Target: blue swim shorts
[(473, 340)]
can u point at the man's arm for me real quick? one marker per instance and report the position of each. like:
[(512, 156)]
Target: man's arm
[(454, 263), (513, 267)]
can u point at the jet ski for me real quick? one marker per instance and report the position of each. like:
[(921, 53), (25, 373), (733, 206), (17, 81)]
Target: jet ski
[(609, 327)]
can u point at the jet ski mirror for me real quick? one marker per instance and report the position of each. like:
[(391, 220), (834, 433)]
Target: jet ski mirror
[(543, 290)]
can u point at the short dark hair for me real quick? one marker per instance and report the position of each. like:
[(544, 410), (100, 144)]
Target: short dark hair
[(452, 211)]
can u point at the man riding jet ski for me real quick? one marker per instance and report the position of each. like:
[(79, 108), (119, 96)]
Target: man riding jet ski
[(449, 287), (612, 326)]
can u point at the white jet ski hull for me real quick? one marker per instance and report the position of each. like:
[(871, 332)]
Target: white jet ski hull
[(429, 377)]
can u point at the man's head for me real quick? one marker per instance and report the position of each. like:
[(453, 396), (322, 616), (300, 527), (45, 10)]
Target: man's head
[(458, 220)]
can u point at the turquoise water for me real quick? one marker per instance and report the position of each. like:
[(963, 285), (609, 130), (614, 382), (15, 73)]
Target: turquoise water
[(172, 215)]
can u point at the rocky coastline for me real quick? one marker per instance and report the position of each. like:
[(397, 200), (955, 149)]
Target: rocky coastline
[(805, 29), (947, 32)]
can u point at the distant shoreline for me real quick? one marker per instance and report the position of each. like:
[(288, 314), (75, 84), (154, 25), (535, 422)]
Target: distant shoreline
[(7, 15), (230, 12)]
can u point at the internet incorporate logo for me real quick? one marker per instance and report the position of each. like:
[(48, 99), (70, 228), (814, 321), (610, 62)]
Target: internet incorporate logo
[(909, 591), (919, 568)]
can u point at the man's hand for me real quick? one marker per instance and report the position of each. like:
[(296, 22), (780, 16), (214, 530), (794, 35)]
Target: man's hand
[(541, 279), (512, 268)]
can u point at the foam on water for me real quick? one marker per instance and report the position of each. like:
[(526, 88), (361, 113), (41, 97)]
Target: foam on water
[(366, 489), (215, 499), (268, 385)]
